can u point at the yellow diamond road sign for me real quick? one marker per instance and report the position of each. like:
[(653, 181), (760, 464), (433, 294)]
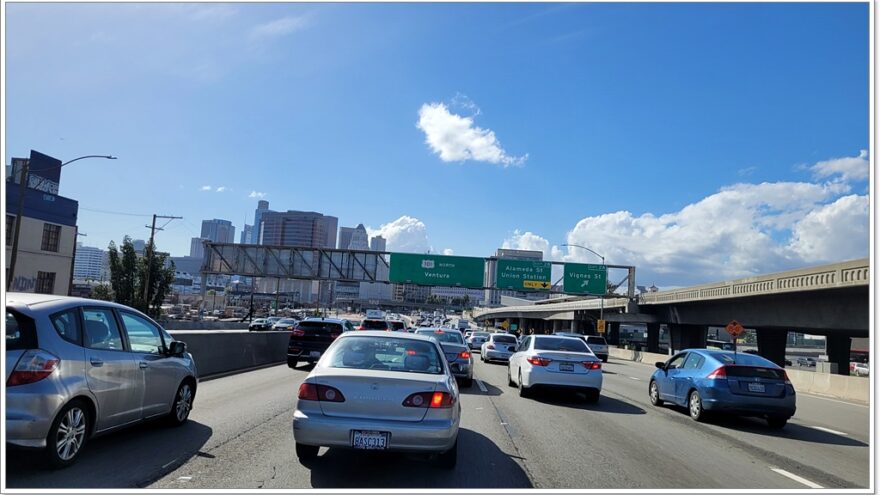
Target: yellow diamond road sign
[(535, 284)]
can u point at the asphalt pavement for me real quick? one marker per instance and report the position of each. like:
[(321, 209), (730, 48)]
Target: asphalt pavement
[(240, 436)]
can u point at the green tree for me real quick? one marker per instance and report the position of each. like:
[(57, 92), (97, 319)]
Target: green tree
[(102, 292), (128, 277)]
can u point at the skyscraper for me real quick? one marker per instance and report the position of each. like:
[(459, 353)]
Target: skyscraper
[(344, 237), (298, 228), (196, 248), (90, 263), (377, 243), (246, 234), (217, 230), (262, 207), (359, 238)]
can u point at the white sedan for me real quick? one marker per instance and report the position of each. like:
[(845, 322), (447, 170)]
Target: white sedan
[(552, 361)]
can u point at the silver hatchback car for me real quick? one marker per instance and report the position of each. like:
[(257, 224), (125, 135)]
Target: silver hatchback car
[(80, 367)]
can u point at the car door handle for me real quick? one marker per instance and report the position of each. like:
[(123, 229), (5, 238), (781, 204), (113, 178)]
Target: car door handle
[(96, 362), (143, 365)]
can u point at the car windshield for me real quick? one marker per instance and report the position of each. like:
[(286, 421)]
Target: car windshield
[(386, 353), (320, 326), (375, 325), (505, 339), (443, 336), (566, 344), (596, 340), (397, 325)]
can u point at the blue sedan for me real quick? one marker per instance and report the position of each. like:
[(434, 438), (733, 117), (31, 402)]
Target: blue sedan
[(720, 381)]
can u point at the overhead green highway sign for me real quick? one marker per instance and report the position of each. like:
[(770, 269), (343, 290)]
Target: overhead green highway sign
[(580, 278), (522, 275), (431, 269)]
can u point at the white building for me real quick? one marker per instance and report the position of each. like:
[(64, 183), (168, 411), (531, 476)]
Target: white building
[(90, 263)]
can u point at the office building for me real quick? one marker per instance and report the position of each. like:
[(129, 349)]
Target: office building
[(90, 263), (217, 230), (139, 246), (197, 247), (459, 295), (359, 238), (344, 237), (377, 243), (246, 234), (262, 207), (298, 228)]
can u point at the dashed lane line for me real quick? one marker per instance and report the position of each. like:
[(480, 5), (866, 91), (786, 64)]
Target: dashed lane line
[(795, 477)]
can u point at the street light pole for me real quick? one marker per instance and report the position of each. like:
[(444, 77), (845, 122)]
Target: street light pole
[(22, 188), (605, 287)]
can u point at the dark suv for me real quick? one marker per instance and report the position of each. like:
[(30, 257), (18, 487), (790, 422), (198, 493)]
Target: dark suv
[(375, 324), (311, 337)]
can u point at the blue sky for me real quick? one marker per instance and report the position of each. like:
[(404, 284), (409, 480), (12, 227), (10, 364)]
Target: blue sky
[(695, 141)]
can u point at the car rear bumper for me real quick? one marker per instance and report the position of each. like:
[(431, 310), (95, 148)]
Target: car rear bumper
[(29, 414), (421, 436), (537, 377), (303, 350), (496, 355), (461, 370), (724, 401)]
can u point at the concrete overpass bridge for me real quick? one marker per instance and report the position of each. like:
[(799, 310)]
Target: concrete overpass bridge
[(831, 300)]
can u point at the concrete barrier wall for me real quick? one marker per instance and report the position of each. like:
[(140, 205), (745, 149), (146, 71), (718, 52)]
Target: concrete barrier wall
[(219, 352), (203, 325), (852, 388)]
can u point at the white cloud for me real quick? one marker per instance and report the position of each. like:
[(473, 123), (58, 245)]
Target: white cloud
[(739, 231), (221, 188), (456, 138), (217, 12), (278, 27), (406, 234), (205, 188), (448, 252), (256, 194), (849, 168)]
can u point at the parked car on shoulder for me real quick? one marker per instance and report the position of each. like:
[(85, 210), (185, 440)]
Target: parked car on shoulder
[(714, 381), (806, 361), (311, 337), (379, 390), (553, 361), (77, 368)]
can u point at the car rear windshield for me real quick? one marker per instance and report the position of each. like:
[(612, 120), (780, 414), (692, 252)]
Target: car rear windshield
[(507, 339), (596, 340), (322, 327), (375, 325), (397, 325), (453, 337), (386, 353), (752, 371), (286, 321), (560, 344), (481, 334), (741, 359), (21, 333)]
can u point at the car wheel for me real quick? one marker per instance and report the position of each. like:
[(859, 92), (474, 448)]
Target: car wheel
[(695, 406), (605, 359), (592, 395), (777, 422), (449, 458), (291, 363), (183, 401), (523, 391), (306, 452), (510, 382), (68, 434), (654, 394)]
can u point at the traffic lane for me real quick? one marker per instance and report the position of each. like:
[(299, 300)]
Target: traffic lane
[(125, 459), (832, 460), (264, 457), (567, 443)]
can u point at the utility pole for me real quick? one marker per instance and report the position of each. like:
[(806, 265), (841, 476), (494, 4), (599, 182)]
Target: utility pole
[(148, 255), (10, 274)]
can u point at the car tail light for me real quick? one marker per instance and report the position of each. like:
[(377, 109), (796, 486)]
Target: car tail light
[(33, 366), (785, 377), (538, 361), (592, 365), (490, 346), (359, 328), (434, 400), (310, 391), (720, 373), (298, 332), (464, 355)]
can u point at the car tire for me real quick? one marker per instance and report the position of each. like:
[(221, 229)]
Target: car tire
[(605, 359), (592, 395), (75, 415), (306, 452), (654, 394), (510, 382), (292, 363), (777, 422), (449, 459), (695, 406), (182, 405), (523, 391)]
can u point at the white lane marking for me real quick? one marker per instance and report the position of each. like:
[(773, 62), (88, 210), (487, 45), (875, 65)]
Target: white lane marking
[(184, 478), (479, 409), (829, 430), (635, 378), (795, 477), (170, 463), (482, 387)]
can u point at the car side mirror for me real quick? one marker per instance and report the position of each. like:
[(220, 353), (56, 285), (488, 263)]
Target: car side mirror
[(177, 348), (660, 365)]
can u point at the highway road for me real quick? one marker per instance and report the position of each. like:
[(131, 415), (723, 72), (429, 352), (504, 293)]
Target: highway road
[(240, 436)]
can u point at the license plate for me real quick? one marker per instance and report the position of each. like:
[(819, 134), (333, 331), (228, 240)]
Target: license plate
[(756, 387), (315, 354), (566, 367), (369, 440)]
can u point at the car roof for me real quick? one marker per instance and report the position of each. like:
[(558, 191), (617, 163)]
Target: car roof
[(739, 357), (382, 333), (330, 320), (50, 302)]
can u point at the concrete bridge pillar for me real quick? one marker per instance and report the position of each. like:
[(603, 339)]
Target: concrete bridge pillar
[(771, 344), (687, 336), (613, 335), (521, 325), (574, 326), (653, 337), (837, 348), (557, 325)]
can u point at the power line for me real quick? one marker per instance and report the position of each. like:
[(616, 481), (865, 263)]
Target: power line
[(108, 212)]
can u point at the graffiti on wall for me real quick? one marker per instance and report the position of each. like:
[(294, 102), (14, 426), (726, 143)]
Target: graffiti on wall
[(24, 284)]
